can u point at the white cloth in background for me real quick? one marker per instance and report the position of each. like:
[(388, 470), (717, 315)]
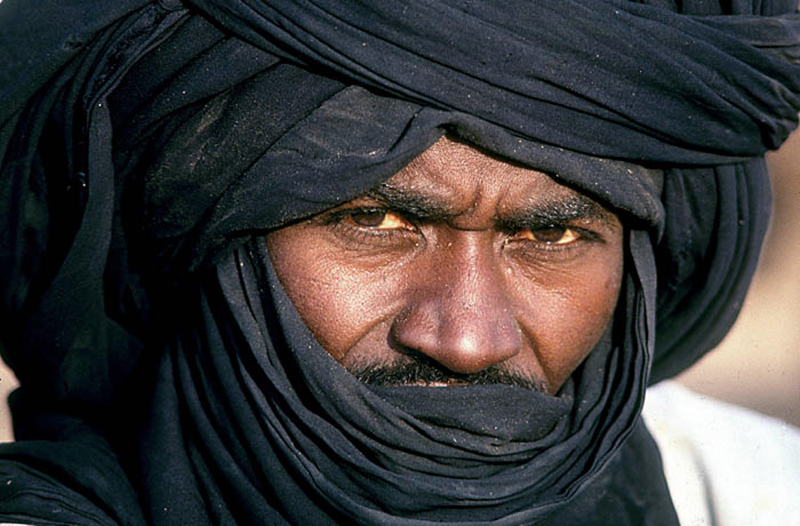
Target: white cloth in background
[(725, 465)]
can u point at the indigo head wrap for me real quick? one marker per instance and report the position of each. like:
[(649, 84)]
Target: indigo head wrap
[(148, 146)]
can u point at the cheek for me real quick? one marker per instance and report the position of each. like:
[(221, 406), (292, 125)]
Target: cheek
[(567, 317), (339, 301)]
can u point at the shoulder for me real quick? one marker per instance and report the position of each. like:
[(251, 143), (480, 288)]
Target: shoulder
[(55, 482), (29, 495)]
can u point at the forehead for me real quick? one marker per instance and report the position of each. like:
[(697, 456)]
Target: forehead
[(458, 178)]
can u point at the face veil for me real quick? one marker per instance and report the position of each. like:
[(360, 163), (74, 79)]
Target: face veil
[(149, 149)]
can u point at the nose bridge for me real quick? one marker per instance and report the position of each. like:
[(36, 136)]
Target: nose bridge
[(471, 273), (462, 316)]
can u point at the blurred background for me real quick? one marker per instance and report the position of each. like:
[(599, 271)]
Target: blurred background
[(758, 364)]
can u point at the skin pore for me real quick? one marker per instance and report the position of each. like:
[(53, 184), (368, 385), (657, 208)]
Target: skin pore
[(462, 268)]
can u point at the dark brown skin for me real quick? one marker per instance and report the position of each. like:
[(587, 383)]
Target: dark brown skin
[(463, 258)]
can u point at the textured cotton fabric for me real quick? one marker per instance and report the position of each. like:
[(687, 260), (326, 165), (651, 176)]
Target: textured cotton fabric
[(148, 147)]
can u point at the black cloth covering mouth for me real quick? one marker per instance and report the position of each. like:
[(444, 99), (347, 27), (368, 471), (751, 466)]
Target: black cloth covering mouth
[(147, 147)]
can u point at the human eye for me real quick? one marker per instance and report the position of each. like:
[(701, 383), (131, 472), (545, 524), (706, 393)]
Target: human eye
[(552, 240), (375, 219), (552, 235), (371, 226)]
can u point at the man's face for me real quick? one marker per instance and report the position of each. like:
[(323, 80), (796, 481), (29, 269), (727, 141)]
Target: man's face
[(461, 268)]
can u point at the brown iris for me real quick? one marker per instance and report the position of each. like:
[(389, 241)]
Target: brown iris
[(377, 219)]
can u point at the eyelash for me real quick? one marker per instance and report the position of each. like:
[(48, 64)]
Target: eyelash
[(540, 252), (337, 221)]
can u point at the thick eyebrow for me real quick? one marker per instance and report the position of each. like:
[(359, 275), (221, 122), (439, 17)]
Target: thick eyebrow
[(412, 204), (551, 212), (559, 212)]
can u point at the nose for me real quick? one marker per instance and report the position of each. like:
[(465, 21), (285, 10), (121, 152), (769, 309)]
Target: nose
[(459, 312)]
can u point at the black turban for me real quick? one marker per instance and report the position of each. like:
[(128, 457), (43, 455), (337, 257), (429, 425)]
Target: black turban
[(147, 147)]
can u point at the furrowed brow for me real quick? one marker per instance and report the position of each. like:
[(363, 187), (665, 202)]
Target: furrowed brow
[(559, 211), (576, 208), (411, 203)]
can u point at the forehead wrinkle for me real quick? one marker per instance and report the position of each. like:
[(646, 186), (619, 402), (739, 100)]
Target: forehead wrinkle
[(453, 173), (416, 202), (449, 197)]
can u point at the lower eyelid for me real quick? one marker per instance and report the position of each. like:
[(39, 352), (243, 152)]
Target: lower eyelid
[(366, 237)]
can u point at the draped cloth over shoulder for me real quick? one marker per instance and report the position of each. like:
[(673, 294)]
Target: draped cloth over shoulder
[(148, 146)]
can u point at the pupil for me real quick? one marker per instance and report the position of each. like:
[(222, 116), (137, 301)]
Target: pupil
[(371, 218)]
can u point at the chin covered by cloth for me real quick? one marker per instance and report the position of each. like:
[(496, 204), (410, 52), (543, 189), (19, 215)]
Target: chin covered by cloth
[(148, 147)]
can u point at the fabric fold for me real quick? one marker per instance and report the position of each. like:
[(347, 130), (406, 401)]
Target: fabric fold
[(148, 148)]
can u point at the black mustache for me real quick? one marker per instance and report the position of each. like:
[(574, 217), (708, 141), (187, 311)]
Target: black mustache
[(416, 370)]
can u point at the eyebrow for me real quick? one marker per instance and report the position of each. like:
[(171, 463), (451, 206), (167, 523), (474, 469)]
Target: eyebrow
[(548, 212), (560, 211), (411, 203)]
